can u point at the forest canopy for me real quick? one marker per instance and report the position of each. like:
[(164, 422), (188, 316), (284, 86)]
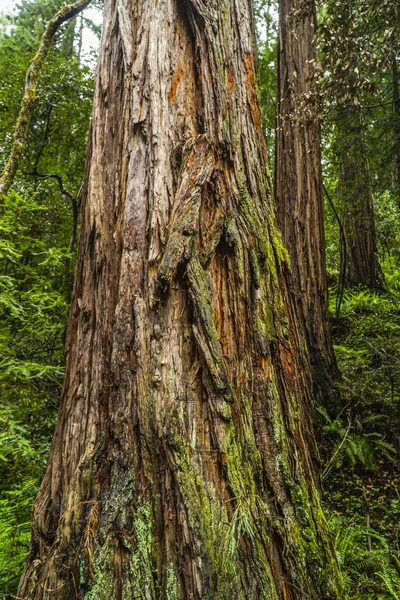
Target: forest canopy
[(333, 91)]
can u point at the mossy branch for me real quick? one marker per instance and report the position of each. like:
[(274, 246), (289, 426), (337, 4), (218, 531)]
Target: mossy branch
[(27, 106)]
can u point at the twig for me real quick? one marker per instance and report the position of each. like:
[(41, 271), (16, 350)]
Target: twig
[(328, 467)]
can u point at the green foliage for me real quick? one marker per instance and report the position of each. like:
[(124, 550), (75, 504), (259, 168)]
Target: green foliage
[(359, 441), (369, 574), (15, 511), (33, 311), (368, 351), (358, 49), (36, 225), (242, 523), (358, 437), (267, 38)]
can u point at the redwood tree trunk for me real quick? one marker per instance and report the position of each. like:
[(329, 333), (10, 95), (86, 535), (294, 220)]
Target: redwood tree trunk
[(396, 127), (298, 185), (362, 261), (183, 464)]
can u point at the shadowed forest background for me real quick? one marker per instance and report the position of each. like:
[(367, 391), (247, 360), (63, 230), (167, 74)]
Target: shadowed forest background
[(357, 424)]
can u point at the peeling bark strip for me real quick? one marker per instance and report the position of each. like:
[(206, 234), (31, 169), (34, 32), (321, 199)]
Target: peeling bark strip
[(299, 193), (27, 106), (182, 465)]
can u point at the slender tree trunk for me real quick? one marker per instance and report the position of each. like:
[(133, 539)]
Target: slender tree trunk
[(396, 126), (183, 462), (358, 217), (298, 184)]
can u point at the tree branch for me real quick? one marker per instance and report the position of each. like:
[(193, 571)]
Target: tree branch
[(75, 202), (27, 106)]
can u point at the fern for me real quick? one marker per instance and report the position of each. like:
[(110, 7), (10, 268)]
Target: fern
[(249, 508), (391, 581)]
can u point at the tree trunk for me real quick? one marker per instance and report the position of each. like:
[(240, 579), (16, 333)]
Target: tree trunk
[(298, 184), (363, 266), (183, 462), (396, 127)]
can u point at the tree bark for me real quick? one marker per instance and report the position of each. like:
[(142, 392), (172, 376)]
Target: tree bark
[(298, 184), (183, 462), (362, 261), (396, 127)]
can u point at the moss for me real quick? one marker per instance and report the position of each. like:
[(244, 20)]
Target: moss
[(138, 580), (104, 586), (180, 243), (219, 540), (267, 256), (207, 335), (200, 281), (320, 568), (172, 588), (304, 529), (279, 431), (140, 577), (122, 561), (211, 239), (280, 249), (263, 321), (269, 244), (243, 525)]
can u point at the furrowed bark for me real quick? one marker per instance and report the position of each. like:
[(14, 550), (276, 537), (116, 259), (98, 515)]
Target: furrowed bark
[(28, 102), (396, 127), (362, 262), (183, 462), (298, 185)]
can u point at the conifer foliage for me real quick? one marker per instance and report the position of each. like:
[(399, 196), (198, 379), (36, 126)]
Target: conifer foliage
[(36, 259)]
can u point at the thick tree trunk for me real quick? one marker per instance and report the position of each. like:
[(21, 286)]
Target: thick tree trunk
[(182, 465), (298, 184), (362, 261)]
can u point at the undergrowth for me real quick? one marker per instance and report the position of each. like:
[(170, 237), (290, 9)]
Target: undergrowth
[(359, 442)]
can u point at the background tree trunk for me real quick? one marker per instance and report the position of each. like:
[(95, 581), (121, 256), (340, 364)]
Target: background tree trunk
[(183, 463), (358, 213), (396, 127), (298, 184)]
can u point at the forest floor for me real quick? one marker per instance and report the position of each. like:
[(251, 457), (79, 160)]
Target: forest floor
[(361, 434)]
